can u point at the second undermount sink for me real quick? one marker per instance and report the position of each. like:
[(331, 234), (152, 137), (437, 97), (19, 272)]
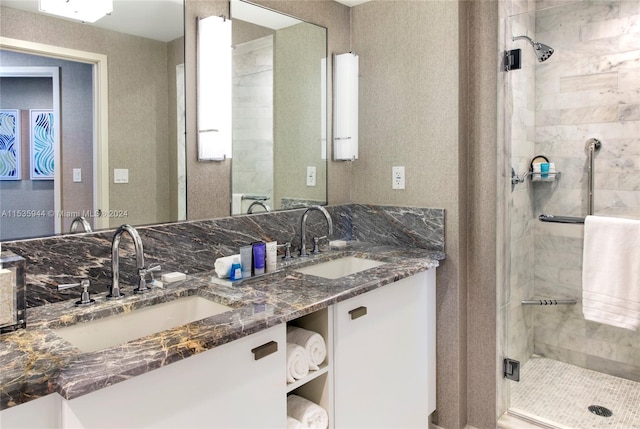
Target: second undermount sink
[(340, 267), (120, 328)]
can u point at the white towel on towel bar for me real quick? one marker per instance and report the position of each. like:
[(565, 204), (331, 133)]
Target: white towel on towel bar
[(310, 414), (312, 342), (297, 363), (611, 271)]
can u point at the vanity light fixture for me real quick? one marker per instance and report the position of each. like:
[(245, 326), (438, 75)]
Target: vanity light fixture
[(82, 10), (345, 107), (214, 88)]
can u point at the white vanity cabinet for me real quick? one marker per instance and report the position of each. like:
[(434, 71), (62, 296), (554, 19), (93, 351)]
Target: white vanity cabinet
[(379, 372), (41, 413), (384, 356), (237, 385)]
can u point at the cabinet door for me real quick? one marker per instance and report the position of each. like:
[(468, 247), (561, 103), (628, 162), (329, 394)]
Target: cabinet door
[(384, 356), (41, 413), (237, 385)]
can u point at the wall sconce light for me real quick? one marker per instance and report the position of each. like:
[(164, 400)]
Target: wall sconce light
[(345, 107), (82, 10), (214, 89)]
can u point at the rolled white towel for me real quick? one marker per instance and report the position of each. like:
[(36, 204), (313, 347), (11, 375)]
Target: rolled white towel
[(297, 364), (312, 342), (310, 414), (223, 265), (293, 423)]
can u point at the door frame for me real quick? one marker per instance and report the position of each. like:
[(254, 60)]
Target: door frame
[(100, 121)]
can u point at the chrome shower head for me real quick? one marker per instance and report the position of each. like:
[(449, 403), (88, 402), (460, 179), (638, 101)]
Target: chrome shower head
[(543, 52)]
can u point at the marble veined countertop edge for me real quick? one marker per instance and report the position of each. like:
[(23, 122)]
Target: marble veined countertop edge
[(37, 362)]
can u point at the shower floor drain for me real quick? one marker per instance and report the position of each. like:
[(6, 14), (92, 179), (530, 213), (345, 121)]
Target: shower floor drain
[(600, 411)]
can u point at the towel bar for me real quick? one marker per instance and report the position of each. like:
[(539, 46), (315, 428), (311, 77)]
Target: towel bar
[(548, 302), (560, 219), (255, 197)]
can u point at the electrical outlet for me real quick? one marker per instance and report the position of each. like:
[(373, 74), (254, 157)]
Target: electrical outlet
[(311, 176), (397, 174)]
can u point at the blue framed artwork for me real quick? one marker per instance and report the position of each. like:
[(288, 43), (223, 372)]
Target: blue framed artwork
[(10, 144), (42, 144)]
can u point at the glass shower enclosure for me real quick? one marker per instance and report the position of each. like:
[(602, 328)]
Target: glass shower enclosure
[(573, 372)]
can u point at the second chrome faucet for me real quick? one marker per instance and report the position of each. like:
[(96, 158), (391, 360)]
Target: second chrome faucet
[(303, 227), (114, 290)]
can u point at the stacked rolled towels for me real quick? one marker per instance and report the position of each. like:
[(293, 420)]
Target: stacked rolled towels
[(309, 414), (293, 423), (297, 363), (312, 342)]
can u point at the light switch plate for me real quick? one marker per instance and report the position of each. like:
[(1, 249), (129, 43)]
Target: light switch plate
[(311, 176), (120, 175), (77, 175)]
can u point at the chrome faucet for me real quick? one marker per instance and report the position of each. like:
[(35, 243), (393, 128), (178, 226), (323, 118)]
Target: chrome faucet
[(114, 291), (80, 220), (258, 203), (303, 227)]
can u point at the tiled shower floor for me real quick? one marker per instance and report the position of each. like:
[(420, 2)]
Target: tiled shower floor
[(561, 393)]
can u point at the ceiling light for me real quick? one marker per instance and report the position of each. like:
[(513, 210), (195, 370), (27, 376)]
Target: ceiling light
[(82, 10)]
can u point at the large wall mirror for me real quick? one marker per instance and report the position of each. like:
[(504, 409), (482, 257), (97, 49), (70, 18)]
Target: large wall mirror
[(279, 92), (130, 152), (120, 116)]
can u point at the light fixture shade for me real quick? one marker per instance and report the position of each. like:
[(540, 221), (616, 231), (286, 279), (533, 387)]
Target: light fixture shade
[(323, 109), (82, 10), (214, 89), (345, 107)]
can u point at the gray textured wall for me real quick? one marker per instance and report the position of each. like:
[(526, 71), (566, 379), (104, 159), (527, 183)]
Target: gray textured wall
[(410, 115)]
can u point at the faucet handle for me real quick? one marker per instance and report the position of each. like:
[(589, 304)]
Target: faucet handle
[(144, 271), (85, 299), (316, 247), (142, 278), (287, 250)]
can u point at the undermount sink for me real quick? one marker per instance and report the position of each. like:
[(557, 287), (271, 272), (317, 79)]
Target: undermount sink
[(113, 330), (340, 267)]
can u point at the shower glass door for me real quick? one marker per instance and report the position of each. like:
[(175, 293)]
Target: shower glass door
[(573, 371)]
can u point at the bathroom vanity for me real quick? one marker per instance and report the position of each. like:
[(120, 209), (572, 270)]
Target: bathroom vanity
[(229, 370)]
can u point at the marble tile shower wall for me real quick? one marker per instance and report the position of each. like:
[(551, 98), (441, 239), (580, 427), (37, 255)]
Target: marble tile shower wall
[(589, 88), (521, 87), (253, 119), (192, 247)]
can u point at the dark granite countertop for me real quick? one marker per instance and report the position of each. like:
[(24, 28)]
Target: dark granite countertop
[(37, 362)]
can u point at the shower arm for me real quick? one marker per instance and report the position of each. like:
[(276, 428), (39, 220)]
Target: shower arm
[(528, 39), (532, 42)]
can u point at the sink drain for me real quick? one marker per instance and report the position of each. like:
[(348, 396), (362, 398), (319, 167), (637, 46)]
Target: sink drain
[(600, 410)]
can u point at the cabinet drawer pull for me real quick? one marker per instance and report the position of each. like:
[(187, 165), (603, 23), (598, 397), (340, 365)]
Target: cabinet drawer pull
[(264, 350), (358, 312)]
